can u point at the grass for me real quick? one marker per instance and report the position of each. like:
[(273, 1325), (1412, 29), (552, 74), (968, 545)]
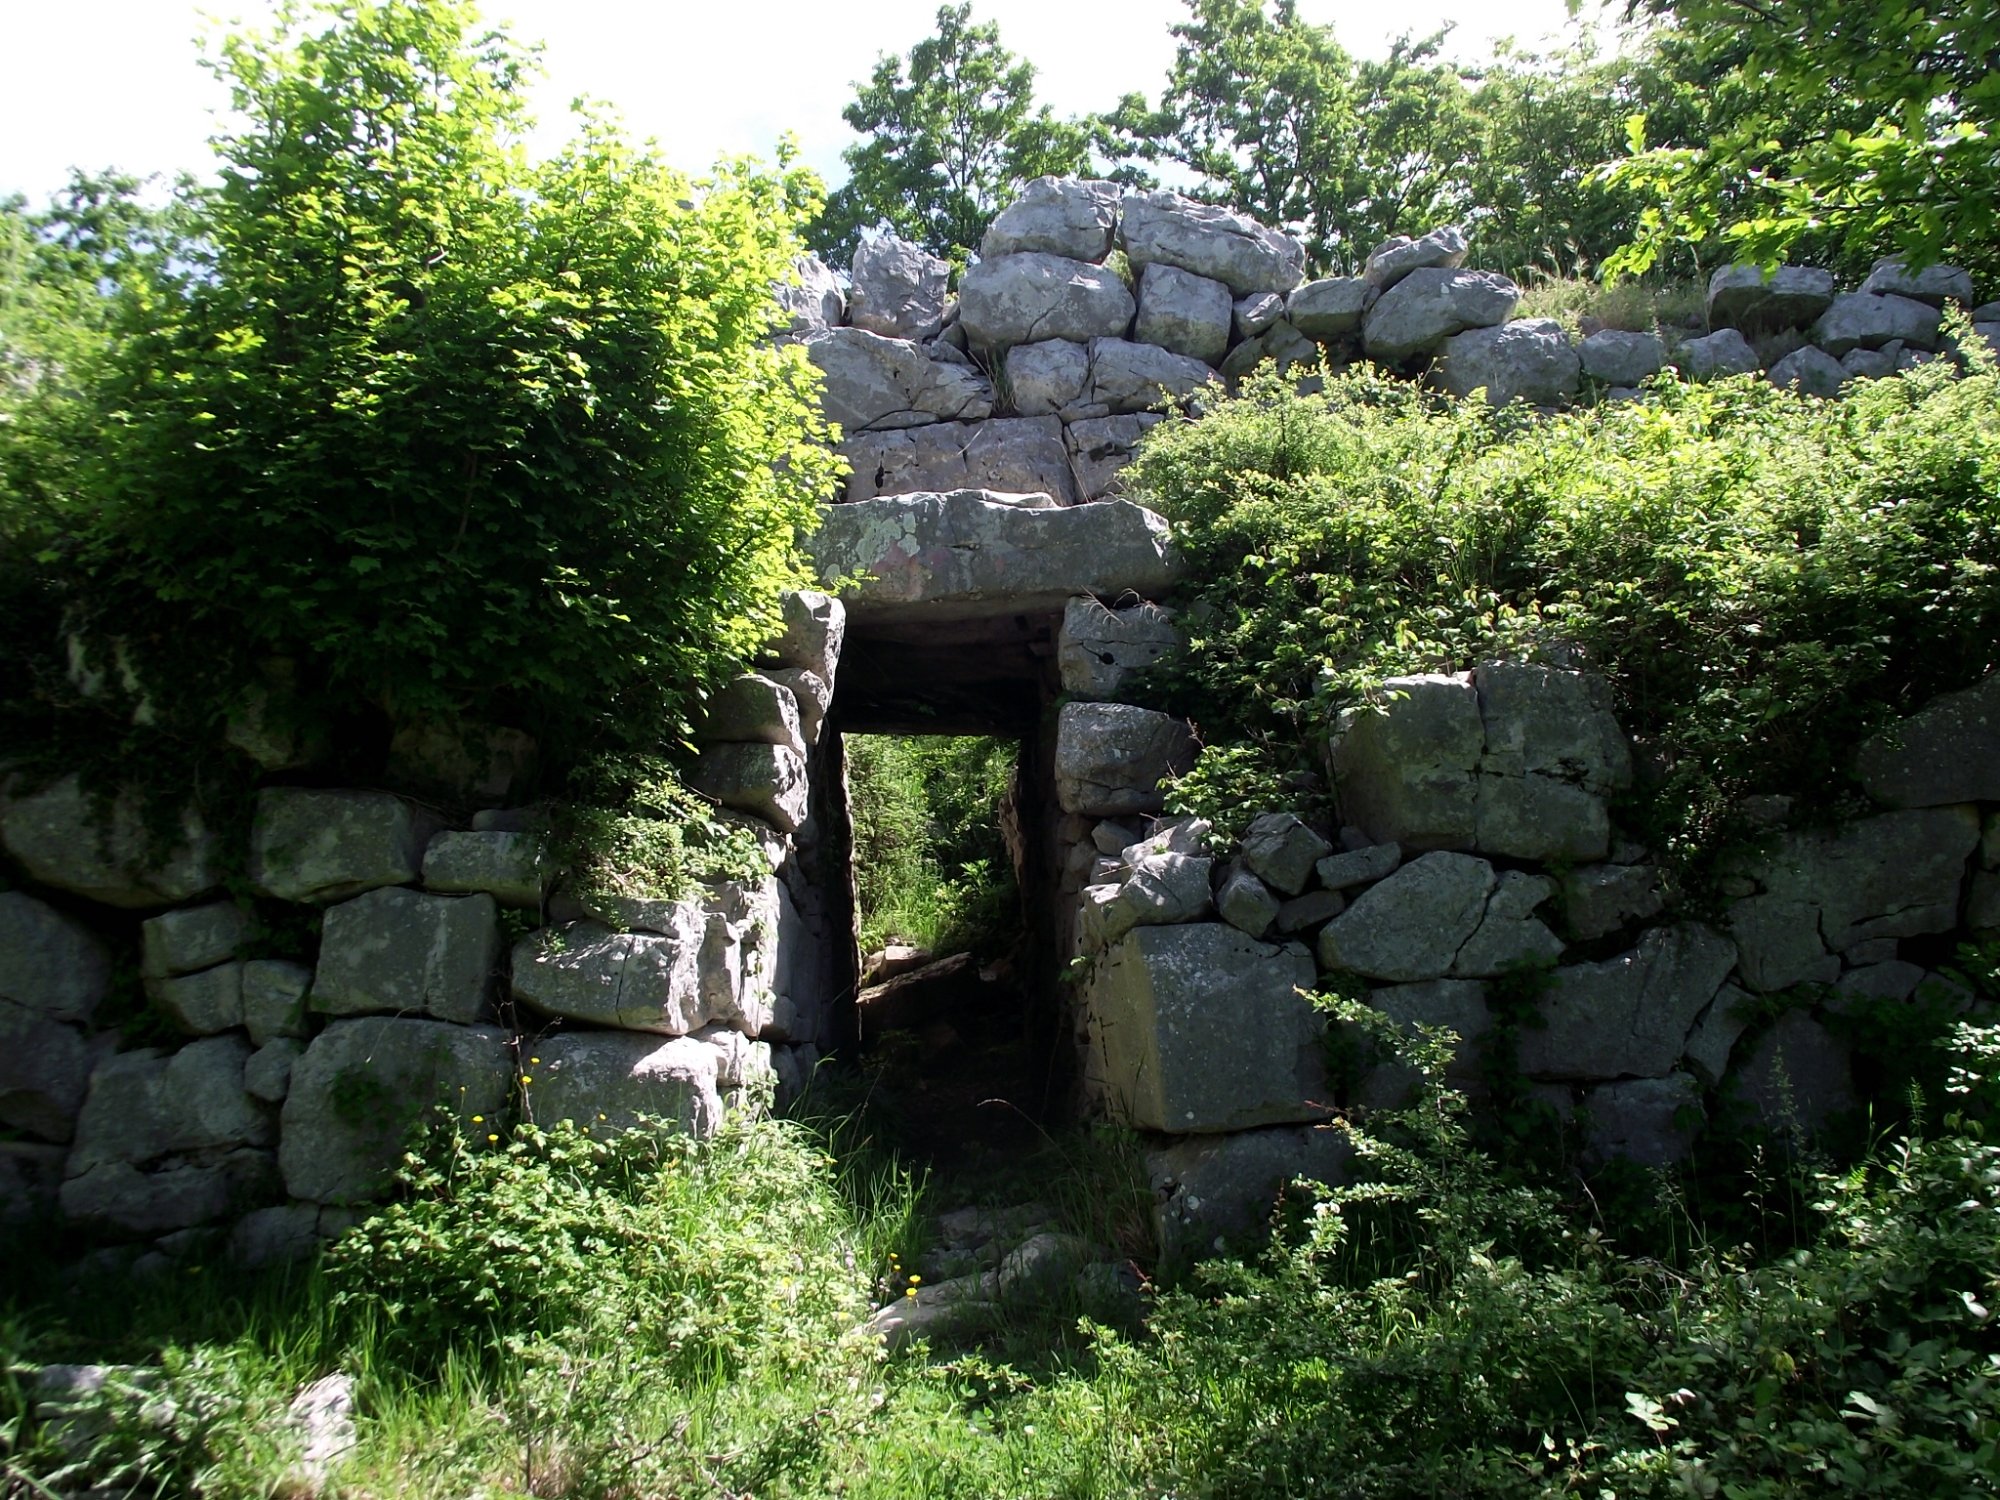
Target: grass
[(1671, 309)]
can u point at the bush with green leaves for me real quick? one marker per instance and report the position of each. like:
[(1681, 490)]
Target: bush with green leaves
[(1764, 578)]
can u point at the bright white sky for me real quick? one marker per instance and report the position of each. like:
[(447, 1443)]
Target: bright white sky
[(97, 83)]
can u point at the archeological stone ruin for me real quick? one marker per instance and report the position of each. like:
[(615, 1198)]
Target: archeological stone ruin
[(1004, 589)]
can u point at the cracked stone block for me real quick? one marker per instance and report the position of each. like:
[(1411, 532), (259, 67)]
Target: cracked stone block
[(1411, 925), (405, 952)]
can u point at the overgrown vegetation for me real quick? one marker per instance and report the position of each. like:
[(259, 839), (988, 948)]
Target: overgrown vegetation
[(1764, 578), (930, 861)]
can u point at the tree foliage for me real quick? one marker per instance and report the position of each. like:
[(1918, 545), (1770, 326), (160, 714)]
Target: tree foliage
[(952, 133), (1875, 128)]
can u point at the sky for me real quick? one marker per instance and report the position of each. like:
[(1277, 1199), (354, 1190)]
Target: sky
[(96, 83)]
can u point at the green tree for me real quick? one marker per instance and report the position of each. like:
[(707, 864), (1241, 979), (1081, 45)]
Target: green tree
[(1874, 129), (457, 433), (952, 133)]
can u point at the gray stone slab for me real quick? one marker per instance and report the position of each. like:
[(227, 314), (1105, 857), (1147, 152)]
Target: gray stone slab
[(399, 952), (325, 846), (50, 963)]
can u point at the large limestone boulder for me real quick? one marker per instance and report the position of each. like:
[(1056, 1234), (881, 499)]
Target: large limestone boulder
[(1619, 358), (1389, 262), (365, 1084), (1790, 297), (1429, 305), (1228, 247), (44, 1071), (1628, 1016), (1199, 1028), (1129, 377), (897, 289), (1935, 285), (813, 629), (1529, 359), (608, 1081), (949, 556), (767, 781), (1111, 757), (406, 953), (50, 963), (1185, 313), (1404, 766), (63, 837), (634, 981), (811, 298), (1066, 216), (1098, 649), (1946, 752), (1898, 874), (1213, 1193), (1650, 1122), (1047, 377), (1868, 320), (1331, 308), (738, 963), (1722, 353), (1257, 312), (1008, 455), (875, 382), (752, 709), (510, 866), (1279, 344), (1411, 925), (321, 847), (1809, 371), (1018, 299), (1101, 447)]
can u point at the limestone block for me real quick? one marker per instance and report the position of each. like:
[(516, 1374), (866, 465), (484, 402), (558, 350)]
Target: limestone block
[(1540, 818), (1111, 757), (1810, 371), (1457, 1005), (1214, 1193), (117, 1197), (1330, 308), (635, 981), (1170, 836), (752, 708), (50, 963), (61, 837), (812, 694), (1099, 649), (1897, 874), (768, 781), (738, 961), (1257, 312), (1020, 298), (1047, 377), (1210, 241), (897, 288), (1549, 722), (1796, 1079), (813, 630), (1155, 890), (1628, 1016), (274, 999), (268, 1073), (740, 1062), (322, 847), (1393, 259), (1283, 851), (1650, 1122), (1431, 304), (44, 1071), (1947, 751), (1352, 867), (404, 952), (1868, 320), (1620, 358), (1131, 377), (1411, 925), (1404, 767), (1314, 909), (512, 868), (1065, 216), (1185, 313), (1714, 1035), (201, 1004), (146, 1105), (1870, 364), (1790, 297), (195, 937), (1009, 455), (608, 1081), (1600, 899), (279, 1235), (365, 1084), (1199, 1028), (1101, 447), (1281, 344), (811, 298), (1246, 903), (1528, 359), (1509, 935), (876, 383), (1723, 353)]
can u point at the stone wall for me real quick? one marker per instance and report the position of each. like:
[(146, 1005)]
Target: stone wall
[(280, 1075)]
